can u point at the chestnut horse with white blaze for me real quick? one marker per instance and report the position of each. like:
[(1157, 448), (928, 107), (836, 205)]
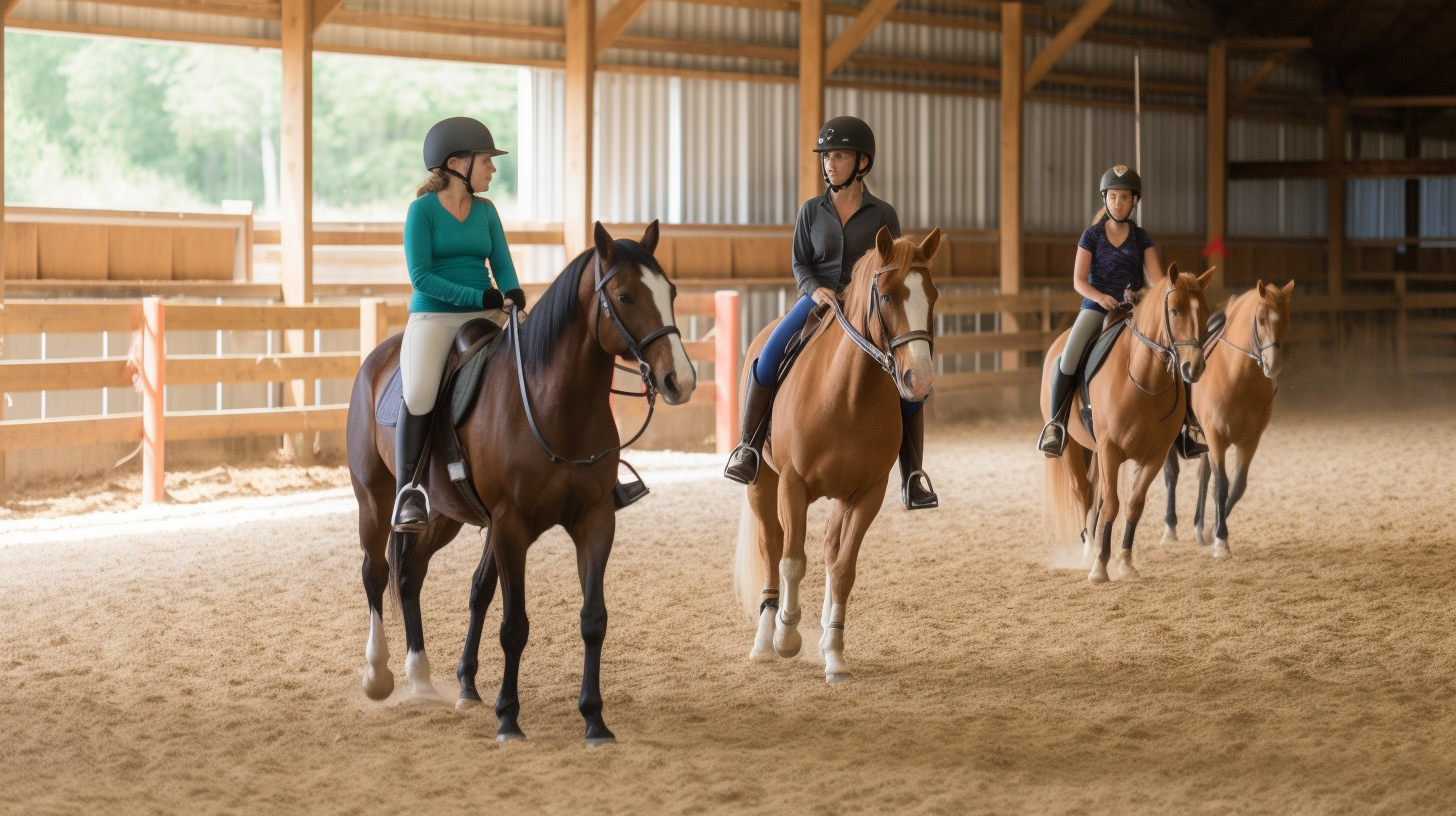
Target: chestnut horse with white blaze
[(835, 434), (1234, 402), (1138, 407), (542, 450)]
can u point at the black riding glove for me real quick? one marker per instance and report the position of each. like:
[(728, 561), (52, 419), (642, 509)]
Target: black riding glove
[(517, 297), (491, 299)]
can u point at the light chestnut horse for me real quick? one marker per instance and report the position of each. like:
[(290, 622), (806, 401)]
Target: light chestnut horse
[(1233, 402), (836, 433), (1138, 407)]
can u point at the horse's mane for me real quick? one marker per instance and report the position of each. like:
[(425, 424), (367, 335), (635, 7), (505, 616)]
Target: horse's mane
[(558, 305), (1147, 315), (857, 294)]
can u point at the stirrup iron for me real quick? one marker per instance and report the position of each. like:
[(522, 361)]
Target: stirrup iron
[(399, 499)]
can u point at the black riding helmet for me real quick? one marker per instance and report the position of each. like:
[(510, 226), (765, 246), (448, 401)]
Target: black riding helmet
[(847, 133), (458, 136), (1121, 177)]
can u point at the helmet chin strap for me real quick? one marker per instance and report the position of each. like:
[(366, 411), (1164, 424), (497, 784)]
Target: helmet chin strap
[(1108, 208), (469, 170), (856, 176)]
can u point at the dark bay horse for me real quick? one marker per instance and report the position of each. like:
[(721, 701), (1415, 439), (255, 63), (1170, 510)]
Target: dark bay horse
[(835, 434), (611, 301), (1138, 407), (1234, 402)]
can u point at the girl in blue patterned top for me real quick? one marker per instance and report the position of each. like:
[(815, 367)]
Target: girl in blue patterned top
[(1114, 256)]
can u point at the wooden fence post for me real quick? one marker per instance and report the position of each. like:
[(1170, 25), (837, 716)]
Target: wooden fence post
[(153, 378), (373, 325), (1402, 347), (725, 367)]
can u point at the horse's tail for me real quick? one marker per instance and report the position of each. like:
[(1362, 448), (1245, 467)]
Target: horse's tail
[(748, 570), (1063, 501)]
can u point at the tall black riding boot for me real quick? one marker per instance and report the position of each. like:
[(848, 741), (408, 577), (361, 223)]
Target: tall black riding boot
[(411, 505), (1191, 443), (916, 492), (1054, 436), (744, 461)]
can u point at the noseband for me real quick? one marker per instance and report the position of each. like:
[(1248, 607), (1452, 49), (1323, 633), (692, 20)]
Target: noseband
[(634, 348), (884, 358)]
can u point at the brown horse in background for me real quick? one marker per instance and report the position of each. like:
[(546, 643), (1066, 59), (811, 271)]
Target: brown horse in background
[(610, 302), (835, 434), (1233, 402), (1139, 405)]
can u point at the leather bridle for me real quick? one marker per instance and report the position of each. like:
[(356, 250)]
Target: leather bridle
[(1169, 353), (1256, 353), (634, 348), (884, 358)]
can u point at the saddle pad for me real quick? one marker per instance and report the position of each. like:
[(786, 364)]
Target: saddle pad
[(1217, 322), (462, 397), (386, 413), (1100, 348)]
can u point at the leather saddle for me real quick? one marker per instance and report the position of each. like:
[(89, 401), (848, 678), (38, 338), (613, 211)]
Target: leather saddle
[(463, 372)]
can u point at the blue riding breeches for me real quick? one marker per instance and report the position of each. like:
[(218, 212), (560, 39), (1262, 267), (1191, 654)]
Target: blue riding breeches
[(766, 367)]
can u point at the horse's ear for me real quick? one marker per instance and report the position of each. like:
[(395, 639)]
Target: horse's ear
[(930, 245), (1259, 287), (1173, 272), (1206, 278), (1287, 290), (649, 238), (884, 244), (604, 245)]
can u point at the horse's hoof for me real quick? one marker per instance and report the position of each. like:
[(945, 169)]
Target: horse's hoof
[(1170, 535), (378, 684), (761, 654), (466, 703), (838, 677), (788, 641), (507, 737), (1221, 550), (1097, 576), (597, 742)]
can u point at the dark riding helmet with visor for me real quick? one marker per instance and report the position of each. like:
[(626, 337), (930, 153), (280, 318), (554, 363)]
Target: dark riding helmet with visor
[(1121, 177), (458, 136), (846, 133)]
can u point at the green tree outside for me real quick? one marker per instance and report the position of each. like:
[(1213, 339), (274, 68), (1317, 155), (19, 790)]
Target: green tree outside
[(109, 123)]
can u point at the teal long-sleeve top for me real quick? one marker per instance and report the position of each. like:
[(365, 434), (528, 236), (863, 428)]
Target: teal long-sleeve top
[(447, 257)]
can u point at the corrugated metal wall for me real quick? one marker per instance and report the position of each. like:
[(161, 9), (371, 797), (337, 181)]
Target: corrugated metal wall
[(1283, 208)]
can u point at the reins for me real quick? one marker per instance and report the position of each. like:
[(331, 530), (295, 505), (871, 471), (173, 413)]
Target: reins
[(884, 358), (634, 348)]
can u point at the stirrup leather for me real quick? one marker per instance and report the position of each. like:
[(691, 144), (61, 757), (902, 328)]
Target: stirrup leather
[(399, 500)]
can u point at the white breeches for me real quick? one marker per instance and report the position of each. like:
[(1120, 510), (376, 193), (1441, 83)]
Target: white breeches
[(427, 339)]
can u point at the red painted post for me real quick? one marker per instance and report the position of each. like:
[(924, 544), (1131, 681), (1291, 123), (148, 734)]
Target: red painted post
[(153, 380), (725, 367)]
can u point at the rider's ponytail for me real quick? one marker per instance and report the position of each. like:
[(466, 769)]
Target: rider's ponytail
[(434, 184), (1100, 218)]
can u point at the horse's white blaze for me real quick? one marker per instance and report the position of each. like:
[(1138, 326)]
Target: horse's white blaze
[(687, 376), (917, 313)]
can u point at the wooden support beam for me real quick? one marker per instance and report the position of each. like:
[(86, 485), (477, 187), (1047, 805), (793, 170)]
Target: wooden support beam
[(1335, 234), (1083, 20), (9, 4), (323, 9), (1335, 153), (1401, 102), (811, 96), (1361, 168), (1241, 91), (296, 147), (1013, 57), (431, 24), (1270, 44), (1217, 172), (850, 38), (615, 21), (581, 27), (708, 48)]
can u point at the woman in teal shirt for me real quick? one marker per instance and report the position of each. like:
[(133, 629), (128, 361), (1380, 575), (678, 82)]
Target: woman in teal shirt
[(449, 238)]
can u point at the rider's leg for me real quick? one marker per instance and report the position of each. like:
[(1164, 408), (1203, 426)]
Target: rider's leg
[(1191, 443), (916, 492), (744, 461), (1064, 380), (427, 339)]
